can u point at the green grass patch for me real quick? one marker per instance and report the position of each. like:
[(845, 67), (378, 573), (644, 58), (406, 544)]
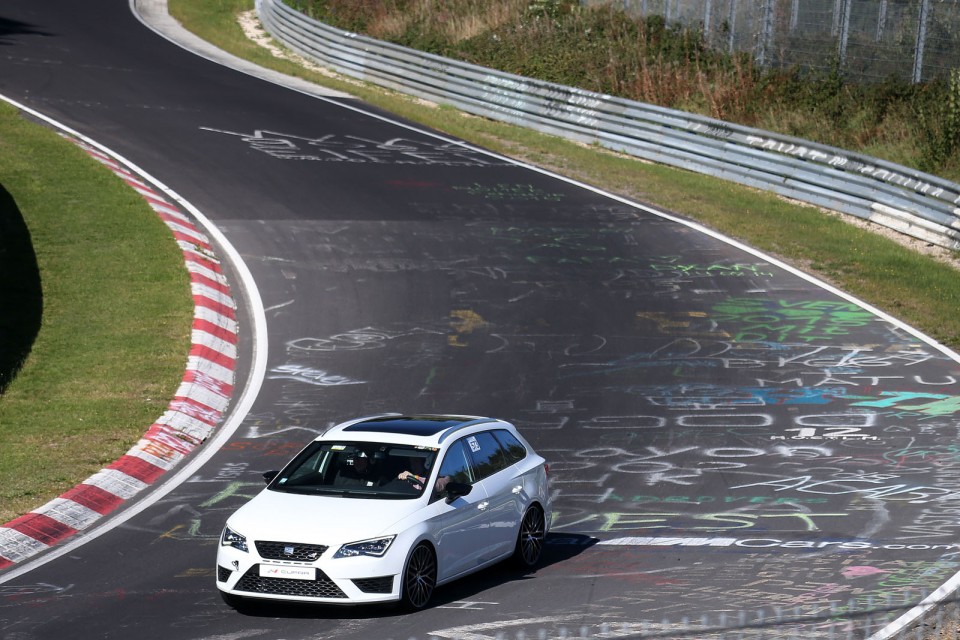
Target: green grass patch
[(103, 343)]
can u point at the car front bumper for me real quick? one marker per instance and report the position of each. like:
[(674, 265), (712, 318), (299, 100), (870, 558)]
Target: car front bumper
[(357, 580)]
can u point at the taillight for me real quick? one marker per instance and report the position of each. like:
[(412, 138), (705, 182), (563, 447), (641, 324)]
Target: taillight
[(546, 468)]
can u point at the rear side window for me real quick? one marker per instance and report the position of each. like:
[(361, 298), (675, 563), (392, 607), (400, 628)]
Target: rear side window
[(488, 457), (512, 448)]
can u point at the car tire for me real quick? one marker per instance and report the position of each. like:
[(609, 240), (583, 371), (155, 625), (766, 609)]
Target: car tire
[(419, 578), (530, 538)]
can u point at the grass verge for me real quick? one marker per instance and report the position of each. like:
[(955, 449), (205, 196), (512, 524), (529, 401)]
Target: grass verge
[(915, 287), (108, 350)]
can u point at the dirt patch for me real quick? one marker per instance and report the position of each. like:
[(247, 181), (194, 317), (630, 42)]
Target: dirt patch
[(255, 32)]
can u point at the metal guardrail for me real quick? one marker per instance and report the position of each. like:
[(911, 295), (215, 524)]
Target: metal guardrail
[(911, 202)]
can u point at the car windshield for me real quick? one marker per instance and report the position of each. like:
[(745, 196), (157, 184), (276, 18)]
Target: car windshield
[(358, 470)]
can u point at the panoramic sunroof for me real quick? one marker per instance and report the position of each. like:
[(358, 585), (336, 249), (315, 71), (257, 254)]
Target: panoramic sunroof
[(410, 425)]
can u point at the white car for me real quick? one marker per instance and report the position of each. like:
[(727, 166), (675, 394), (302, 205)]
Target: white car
[(385, 508)]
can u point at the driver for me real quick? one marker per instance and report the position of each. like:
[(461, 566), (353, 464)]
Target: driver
[(417, 476), (358, 471)]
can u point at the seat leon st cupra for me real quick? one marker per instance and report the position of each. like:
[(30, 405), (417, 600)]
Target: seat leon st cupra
[(386, 508)]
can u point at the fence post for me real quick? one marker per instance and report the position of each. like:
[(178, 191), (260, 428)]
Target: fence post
[(732, 24), (845, 11), (766, 33), (921, 41), (881, 19)]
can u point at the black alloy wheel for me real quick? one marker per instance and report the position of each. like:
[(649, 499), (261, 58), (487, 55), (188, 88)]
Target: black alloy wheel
[(530, 538), (419, 578)]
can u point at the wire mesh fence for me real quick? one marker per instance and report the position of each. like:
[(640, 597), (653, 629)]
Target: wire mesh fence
[(868, 40)]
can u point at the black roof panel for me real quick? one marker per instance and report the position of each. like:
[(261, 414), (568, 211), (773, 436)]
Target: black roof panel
[(409, 425)]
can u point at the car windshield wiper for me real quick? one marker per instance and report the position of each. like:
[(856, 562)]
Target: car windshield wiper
[(309, 490), (347, 493)]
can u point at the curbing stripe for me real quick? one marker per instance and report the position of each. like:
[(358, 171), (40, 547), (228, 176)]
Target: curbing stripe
[(117, 483), (71, 515), (202, 314), (208, 382), (186, 426), (216, 284), (188, 231), (204, 396), (41, 527), (209, 368), (199, 324), (195, 409), (203, 291), (201, 269), (94, 497), (191, 417), (214, 343), (209, 352), (17, 546), (212, 305), (138, 469), (197, 242)]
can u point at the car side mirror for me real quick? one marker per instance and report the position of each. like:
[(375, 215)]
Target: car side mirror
[(455, 490), (269, 476)]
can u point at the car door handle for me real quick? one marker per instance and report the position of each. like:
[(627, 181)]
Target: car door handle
[(483, 505), (518, 488)]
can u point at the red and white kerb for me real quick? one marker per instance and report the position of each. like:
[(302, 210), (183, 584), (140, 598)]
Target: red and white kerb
[(192, 415)]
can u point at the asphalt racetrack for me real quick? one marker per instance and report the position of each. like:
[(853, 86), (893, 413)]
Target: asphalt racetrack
[(730, 443)]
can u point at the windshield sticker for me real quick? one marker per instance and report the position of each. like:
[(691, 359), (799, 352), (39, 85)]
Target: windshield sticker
[(474, 445)]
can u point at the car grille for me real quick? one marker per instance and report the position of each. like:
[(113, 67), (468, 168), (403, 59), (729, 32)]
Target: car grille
[(375, 585), (321, 587), (223, 574), (278, 550)]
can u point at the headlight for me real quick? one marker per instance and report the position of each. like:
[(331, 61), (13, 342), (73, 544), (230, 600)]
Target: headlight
[(230, 538), (376, 547)]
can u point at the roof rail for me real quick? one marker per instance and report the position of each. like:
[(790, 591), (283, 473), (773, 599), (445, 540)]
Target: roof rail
[(469, 423)]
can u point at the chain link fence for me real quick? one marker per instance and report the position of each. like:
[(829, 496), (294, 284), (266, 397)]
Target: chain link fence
[(867, 40)]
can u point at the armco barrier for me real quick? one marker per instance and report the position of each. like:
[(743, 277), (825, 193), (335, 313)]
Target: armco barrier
[(911, 202)]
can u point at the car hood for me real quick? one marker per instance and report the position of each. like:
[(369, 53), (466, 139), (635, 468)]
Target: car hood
[(329, 520)]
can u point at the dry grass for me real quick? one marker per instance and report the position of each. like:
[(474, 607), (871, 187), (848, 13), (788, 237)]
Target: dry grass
[(454, 20)]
